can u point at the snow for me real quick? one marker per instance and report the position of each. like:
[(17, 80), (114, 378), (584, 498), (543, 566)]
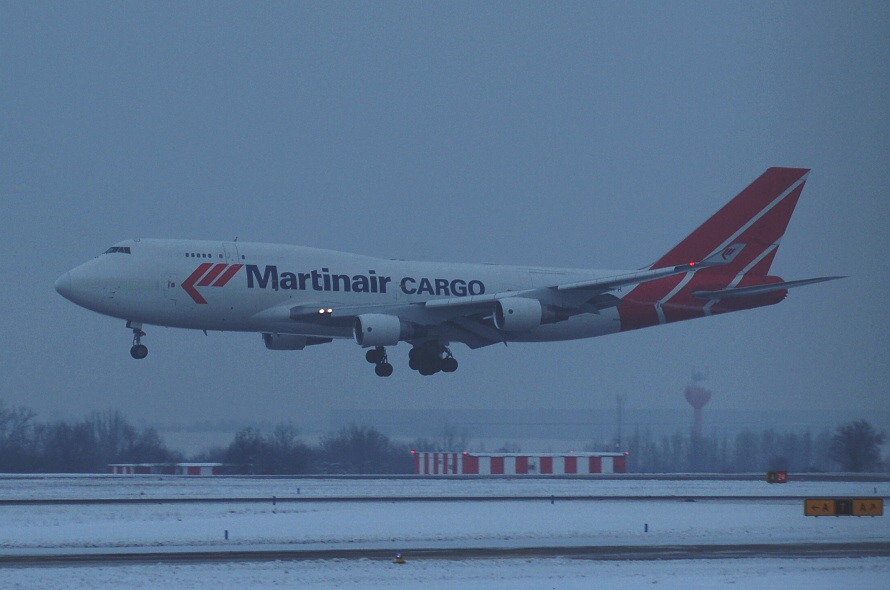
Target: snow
[(439, 524), (495, 574), (29, 487), (529, 519)]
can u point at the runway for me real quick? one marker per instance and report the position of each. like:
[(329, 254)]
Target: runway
[(494, 527), (602, 553), (359, 499)]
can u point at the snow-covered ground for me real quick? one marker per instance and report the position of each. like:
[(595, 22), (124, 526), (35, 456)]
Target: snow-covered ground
[(69, 487), (495, 574), (403, 526)]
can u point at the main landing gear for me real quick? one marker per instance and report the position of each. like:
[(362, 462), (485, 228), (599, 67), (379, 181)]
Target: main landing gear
[(377, 356), (427, 359), (138, 351), (430, 358)]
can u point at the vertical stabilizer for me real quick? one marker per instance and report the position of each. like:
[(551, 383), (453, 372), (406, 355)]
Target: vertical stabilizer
[(745, 233)]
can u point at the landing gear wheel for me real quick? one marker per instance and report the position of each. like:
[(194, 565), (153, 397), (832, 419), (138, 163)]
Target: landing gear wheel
[(431, 357), (377, 356), (415, 358), (427, 370), (138, 351)]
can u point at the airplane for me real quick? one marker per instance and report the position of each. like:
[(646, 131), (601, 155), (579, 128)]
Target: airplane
[(298, 296)]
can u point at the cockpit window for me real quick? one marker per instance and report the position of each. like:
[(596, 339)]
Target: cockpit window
[(118, 250)]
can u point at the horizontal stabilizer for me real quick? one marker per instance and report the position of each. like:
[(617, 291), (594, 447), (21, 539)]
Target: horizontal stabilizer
[(759, 289)]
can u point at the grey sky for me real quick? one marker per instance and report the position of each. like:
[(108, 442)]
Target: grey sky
[(569, 134)]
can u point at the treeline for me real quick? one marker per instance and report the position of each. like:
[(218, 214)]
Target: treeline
[(352, 450), (88, 446), (851, 447)]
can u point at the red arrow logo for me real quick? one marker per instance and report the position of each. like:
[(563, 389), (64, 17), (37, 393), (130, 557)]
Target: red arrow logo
[(216, 270)]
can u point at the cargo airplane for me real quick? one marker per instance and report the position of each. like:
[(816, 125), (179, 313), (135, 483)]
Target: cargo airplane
[(297, 296)]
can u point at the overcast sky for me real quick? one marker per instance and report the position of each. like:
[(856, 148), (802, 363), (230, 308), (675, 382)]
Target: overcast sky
[(565, 134)]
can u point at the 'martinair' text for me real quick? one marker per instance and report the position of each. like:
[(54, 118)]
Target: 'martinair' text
[(325, 280)]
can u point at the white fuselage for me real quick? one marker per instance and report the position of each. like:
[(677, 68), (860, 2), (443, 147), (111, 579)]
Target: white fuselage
[(147, 281)]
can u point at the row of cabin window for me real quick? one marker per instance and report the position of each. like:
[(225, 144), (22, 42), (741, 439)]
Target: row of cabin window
[(199, 255)]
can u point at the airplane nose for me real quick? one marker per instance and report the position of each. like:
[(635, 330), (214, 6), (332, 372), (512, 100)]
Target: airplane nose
[(63, 285)]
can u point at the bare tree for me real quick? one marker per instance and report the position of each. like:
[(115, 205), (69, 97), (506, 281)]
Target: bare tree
[(363, 449), (857, 446), (15, 439), (248, 451), (454, 440), (290, 455)]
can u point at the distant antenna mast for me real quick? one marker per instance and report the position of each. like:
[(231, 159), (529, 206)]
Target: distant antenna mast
[(621, 398)]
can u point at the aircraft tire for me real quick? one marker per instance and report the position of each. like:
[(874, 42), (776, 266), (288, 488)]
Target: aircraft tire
[(427, 369), (383, 370), (139, 351)]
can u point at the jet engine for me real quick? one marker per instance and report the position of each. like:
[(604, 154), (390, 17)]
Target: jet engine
[(377, 329), (517, 314)]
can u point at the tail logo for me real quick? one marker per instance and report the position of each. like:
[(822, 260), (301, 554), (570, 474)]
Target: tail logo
[(727, 253), (209, 275)]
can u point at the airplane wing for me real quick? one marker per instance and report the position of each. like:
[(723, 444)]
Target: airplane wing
[(469, 319), (584, 290)]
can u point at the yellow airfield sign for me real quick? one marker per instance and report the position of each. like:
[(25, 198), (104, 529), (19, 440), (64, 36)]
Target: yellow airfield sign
[(843, 507), (868, 507)]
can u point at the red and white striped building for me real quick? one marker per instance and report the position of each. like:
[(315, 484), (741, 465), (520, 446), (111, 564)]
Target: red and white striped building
[(426, 463)]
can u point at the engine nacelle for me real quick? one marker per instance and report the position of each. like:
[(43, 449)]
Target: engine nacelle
[(517, 314), (291, 341), (378, 329)]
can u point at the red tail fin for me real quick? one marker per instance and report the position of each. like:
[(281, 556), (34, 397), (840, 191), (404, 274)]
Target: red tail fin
[(756, 219)]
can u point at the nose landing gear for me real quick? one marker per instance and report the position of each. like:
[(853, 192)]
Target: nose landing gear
[(138, 351), (377, 356)]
